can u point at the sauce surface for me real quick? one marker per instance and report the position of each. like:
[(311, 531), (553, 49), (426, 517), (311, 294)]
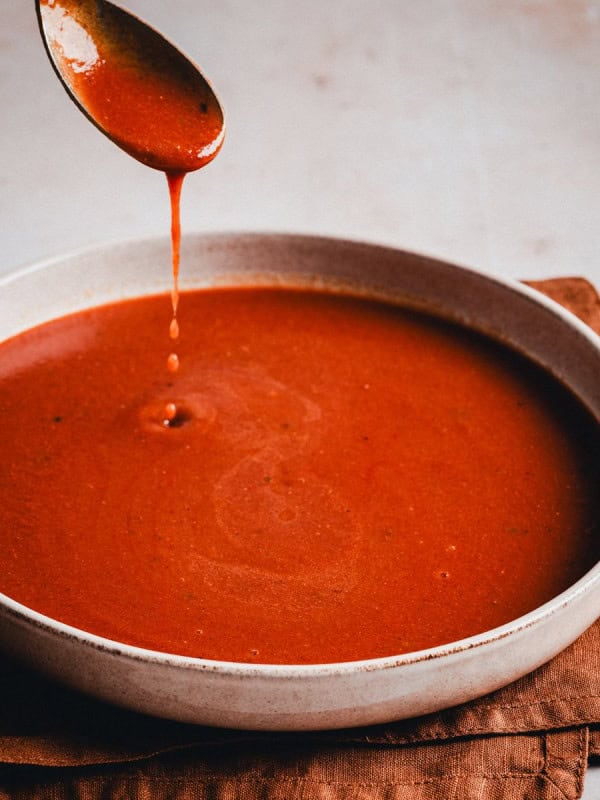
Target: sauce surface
[(145, 95), (343, 479)]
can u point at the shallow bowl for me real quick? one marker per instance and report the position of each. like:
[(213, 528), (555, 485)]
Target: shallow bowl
[(266, 697)]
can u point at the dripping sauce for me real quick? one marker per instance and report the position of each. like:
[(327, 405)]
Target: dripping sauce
[(150, 101)]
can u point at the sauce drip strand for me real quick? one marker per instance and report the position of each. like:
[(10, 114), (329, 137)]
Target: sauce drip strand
[(141, 92), (175, 182)]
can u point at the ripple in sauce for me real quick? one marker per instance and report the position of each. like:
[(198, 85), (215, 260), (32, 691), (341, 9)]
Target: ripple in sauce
[(343, 479)]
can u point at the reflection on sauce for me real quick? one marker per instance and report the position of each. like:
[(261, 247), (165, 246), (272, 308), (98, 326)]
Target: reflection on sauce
[(334, 480), (340, 479)]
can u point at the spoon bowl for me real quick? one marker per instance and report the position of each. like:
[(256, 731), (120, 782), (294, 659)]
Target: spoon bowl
[(132, 84)]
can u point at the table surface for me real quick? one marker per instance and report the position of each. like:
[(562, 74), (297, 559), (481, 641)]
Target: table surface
[(464, 129)]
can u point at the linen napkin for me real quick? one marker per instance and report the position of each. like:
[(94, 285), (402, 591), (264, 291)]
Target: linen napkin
[(531, 739)]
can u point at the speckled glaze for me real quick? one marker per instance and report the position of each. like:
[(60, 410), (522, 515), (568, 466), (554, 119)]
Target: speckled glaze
[(316, 696)]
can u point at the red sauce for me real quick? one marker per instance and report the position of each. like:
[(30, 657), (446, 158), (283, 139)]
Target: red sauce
[(146, 98), (175, 181), (342, 479)]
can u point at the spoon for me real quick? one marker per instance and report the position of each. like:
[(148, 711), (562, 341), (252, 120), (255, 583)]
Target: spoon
[(132, 84)]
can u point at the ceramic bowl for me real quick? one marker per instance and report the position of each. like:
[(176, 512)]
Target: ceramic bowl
[(316, 696)]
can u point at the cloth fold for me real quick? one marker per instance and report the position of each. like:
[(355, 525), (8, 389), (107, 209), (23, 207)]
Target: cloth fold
[(531, 739)]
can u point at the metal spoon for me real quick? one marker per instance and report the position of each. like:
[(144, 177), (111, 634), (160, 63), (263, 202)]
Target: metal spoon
[(135, 86)]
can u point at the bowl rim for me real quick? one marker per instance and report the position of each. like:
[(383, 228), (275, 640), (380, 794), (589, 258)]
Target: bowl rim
[(299, 671), (133, 653)]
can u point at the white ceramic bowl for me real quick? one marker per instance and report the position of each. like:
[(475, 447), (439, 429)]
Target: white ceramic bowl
[(315, 696)]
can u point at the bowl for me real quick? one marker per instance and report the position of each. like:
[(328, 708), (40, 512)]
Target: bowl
[(307, 697)]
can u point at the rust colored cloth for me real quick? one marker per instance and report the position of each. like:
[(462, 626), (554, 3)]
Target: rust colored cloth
[(530, 740)]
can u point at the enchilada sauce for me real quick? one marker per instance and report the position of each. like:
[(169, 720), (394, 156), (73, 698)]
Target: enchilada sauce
[(343, 479), (146, 97)]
